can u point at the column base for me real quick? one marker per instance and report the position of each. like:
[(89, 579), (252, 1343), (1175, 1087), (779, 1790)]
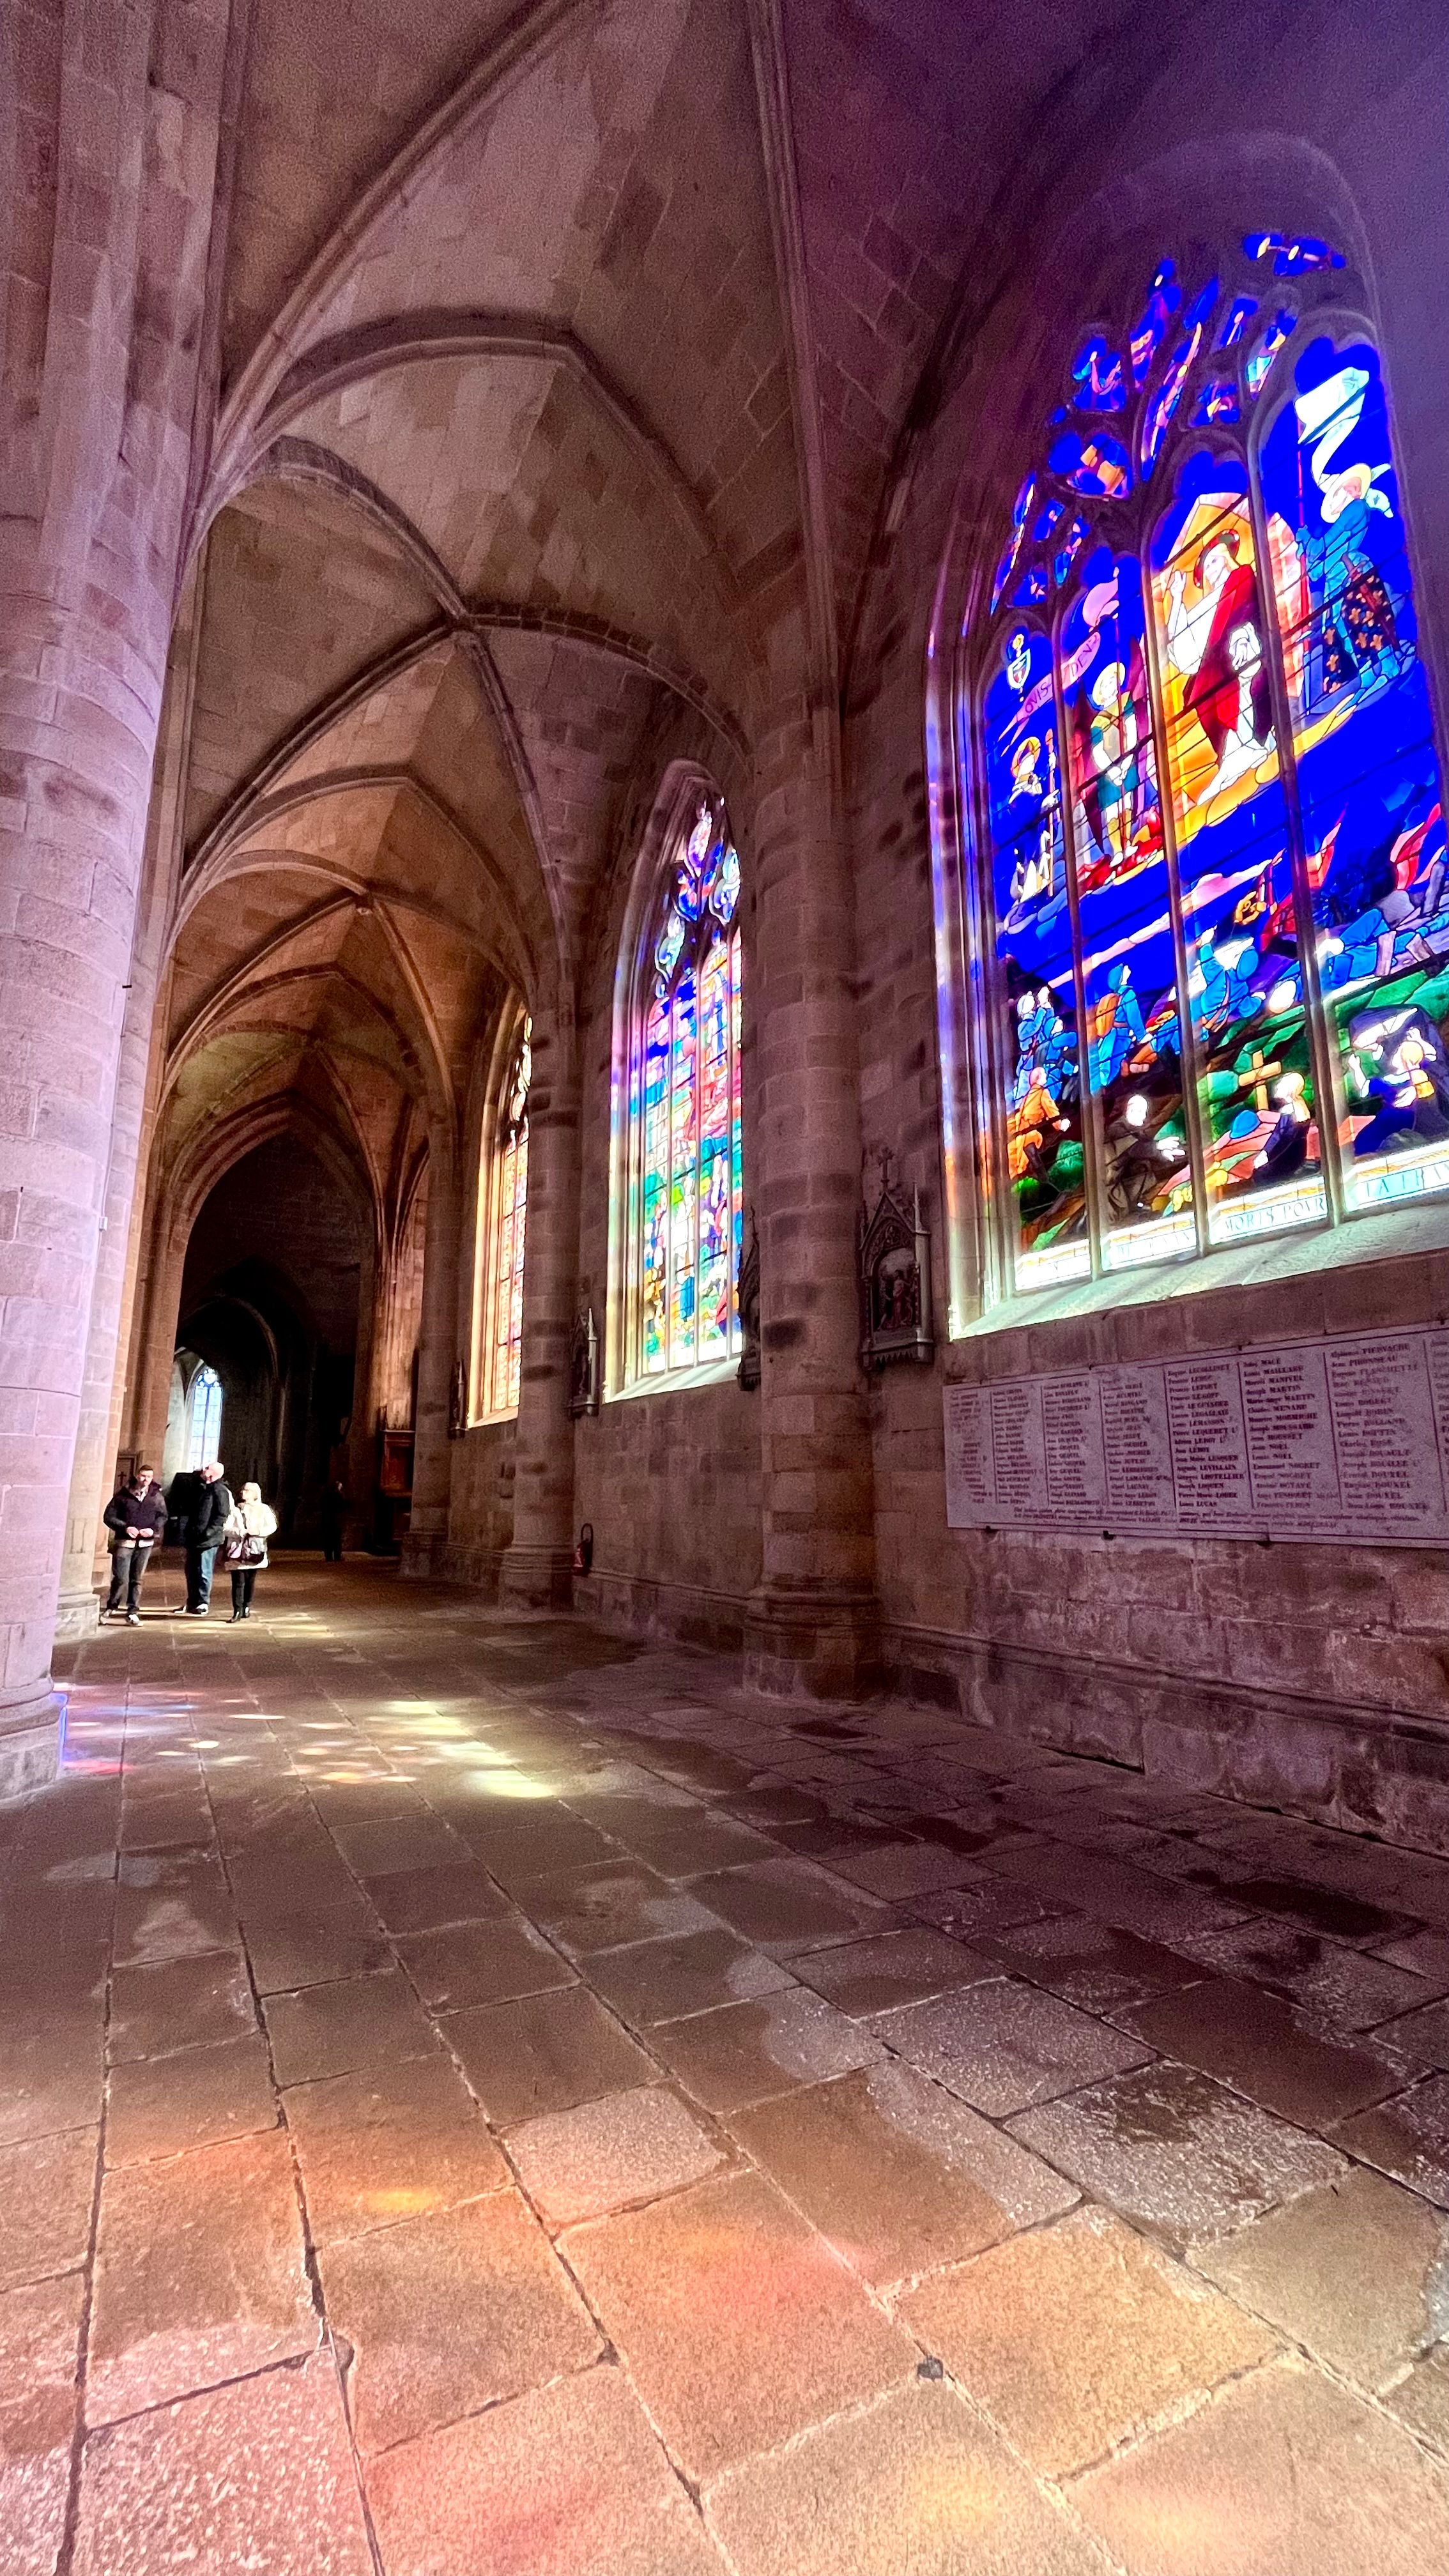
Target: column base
[(77, 1615), (813, 1645), (537, 1578), (30, 1727)]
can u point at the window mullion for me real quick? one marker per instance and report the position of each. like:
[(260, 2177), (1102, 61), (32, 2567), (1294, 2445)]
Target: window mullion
[(1092, 1176)]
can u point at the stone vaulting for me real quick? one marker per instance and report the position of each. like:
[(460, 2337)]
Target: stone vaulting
[(443, 453)]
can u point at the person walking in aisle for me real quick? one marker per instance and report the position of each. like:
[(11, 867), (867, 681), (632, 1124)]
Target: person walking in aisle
[(136, 1518), (249, 1525), (207, 1518)]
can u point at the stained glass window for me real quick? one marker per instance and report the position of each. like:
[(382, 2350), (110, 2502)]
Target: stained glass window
[(503, 1336), (203, 1418), (686, 1153), (1212, 890)]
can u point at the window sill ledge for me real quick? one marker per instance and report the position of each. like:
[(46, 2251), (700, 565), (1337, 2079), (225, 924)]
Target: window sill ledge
[(676, 1381), (1397, 1236)]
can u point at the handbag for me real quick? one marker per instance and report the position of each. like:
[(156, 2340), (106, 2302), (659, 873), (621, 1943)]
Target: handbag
[(244, 1549)]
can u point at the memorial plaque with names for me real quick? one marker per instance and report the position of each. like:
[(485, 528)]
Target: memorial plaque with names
[(1343, 1437)]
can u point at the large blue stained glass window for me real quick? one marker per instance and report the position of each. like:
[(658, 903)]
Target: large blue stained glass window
[(1212, 883), (686, 1163)]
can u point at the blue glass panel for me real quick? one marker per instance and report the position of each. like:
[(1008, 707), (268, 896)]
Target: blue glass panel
[(1235, 321), (1047, 522), (1020, 513), (1163, 300), (1097, 467), (1031, 590), (1218, 401), (1067, 552), (1368, 775), (1292, 254), (1157, 418), (1098, 378), (1255, 373), (1035, 995)]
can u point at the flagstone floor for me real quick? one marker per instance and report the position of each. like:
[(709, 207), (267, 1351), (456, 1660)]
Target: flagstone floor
[(478, 2098)]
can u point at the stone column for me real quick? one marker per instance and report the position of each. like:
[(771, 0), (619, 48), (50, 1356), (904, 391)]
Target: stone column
[(812, 1624), (438, 1348), (536, 1565), (81, 665), (105, 258), (94, 1459)]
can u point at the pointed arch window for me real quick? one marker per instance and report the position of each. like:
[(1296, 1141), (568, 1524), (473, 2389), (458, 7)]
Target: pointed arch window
[(203, 1418), (1209, 902), (685, 1143), (504, 1203)]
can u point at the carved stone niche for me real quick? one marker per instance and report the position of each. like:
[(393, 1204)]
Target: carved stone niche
[(584, 1365), (895, 1279), (748, 1372)]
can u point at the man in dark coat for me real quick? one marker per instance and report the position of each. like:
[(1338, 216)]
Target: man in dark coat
[(201, 1533), (136, 1516)]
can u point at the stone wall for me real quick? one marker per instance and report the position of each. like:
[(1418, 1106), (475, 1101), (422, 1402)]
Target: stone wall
[(671, 1484), (1312, 1676)]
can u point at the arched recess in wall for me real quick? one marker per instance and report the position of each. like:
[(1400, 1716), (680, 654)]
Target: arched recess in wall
[(1191, 883), (676, 1212), (502, 1222)]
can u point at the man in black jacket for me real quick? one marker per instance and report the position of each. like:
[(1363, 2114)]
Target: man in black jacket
[(201, 1532), (137, 1518)]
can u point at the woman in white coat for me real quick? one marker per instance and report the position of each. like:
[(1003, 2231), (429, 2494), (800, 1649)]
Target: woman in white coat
[(248, 1526)]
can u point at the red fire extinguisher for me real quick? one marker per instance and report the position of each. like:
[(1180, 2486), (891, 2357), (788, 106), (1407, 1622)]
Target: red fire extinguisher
[(584, 1549)]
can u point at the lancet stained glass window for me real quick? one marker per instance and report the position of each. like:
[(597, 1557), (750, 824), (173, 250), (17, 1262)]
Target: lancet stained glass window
[(686, 1151), (1210, 889), (504, 1346)]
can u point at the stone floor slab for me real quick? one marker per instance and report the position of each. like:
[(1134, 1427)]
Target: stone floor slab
[(605, 1908), (747, 2052), (47, 2186), (178, 2003), (1284, 2473), (568, 2482), (200, 2275), (389, 2142), (788, 1905), (1004, 2045), (39, 2351), (1176, 2153), (1358, 2271), (1407, 2137), (659, 1981), (607, 2154), (543, 2053), (915, 2483), (257, 2476), (738, 2327), (161, 2106), (896, 2173), (891, 1969), (446, 2314), (1074, 2337), (335, 2029), (482, 1963), (1256, 2043)]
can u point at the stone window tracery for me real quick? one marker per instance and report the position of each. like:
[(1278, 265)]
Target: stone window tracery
[(1207, 904), (684, 1148)]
